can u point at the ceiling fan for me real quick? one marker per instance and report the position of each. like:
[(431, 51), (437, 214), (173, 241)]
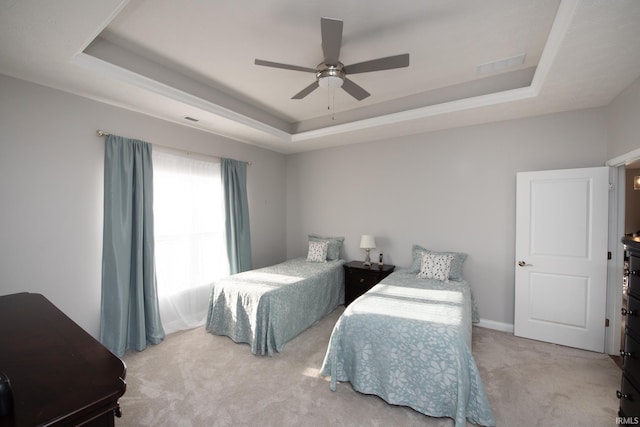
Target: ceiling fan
[(333, 73)]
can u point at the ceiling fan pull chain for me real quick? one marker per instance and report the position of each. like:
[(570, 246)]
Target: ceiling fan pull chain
[(329, 98), (333, 104)]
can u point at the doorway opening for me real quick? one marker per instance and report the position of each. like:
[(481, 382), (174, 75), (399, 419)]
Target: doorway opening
[(631, 227), (619, 225)]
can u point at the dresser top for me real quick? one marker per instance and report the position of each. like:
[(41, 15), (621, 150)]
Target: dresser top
[(59, 374), (631, 241)]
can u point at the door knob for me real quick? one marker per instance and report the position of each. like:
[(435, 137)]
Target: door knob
[(522, 264)]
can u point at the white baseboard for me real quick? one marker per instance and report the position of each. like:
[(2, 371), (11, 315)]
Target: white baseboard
[(498, 326)]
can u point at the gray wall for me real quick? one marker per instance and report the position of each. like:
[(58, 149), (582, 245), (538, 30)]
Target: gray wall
[(51, 191), (447, 190), (623, 117)]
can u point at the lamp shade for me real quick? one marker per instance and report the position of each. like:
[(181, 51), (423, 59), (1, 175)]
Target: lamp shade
[(367, 242)]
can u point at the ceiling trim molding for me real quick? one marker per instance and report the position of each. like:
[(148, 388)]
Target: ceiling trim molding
[(561, 22), (96, 33), (624, 159), (138, 80), (420, 113)]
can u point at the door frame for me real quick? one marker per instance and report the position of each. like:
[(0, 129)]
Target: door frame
[(615, 265)]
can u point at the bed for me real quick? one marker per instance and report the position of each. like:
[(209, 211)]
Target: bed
[(268, 307), (408, 341)]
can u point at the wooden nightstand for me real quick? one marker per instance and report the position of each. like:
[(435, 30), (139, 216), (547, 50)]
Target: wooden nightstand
[(358, 279)]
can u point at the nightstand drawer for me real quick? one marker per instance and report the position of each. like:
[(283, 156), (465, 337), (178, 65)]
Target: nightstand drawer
[(359, 278)]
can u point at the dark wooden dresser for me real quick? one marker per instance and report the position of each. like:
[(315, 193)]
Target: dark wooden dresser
[(59, 374), (629, 393), (359, 278)]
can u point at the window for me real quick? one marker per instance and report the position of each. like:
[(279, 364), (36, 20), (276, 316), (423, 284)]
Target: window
[(190, 243)]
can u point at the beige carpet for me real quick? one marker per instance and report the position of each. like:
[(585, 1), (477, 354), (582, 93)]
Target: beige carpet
[(194, 378)]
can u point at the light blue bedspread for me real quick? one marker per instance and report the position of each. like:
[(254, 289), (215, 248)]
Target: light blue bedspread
[(408, 340), (269, 306)]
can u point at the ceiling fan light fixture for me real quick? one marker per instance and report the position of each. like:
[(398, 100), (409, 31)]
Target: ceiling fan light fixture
[(330, 81)]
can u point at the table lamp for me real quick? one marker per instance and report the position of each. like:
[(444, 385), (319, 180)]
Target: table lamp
[(367, 243)]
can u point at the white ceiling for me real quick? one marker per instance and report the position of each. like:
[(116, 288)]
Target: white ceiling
[(195, 58)]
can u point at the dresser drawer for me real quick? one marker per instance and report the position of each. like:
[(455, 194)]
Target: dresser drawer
[(631, 354), (629, 398), (632, 314), (634, 275)]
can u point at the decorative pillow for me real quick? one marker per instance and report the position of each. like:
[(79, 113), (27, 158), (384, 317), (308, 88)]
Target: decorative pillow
[(456, 265), (317, 251), (435, 267), (335, 243)]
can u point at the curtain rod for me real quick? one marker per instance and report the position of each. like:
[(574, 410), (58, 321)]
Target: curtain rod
[(103, 133)]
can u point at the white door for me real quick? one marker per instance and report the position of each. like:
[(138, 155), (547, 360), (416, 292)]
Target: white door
[(561, 256)]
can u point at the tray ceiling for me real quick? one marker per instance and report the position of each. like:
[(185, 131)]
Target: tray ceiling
[(470, 62)]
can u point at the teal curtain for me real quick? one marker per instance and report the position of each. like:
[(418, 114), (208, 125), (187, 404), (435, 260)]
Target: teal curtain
[(130, 316), (234, 181)]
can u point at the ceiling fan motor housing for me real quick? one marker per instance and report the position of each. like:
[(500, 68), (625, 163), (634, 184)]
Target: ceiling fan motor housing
[(330, 75)]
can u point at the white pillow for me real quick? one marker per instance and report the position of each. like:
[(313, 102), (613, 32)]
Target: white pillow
[(435, 266), (318, 251)]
